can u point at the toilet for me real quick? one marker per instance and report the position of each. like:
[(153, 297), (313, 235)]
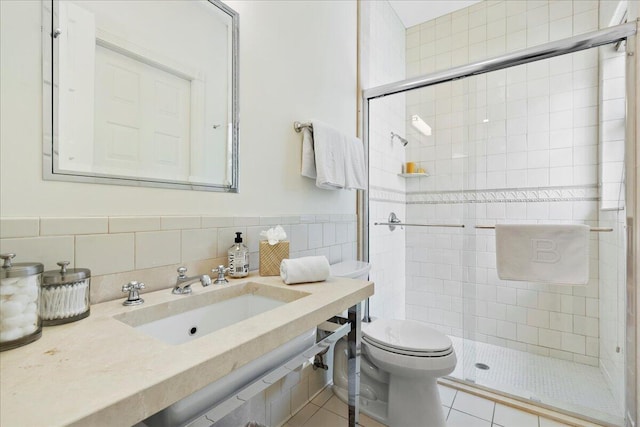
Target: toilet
[(400, 364)]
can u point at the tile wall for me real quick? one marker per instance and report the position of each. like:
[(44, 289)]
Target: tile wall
[(383, 53), (519, 146), (149, 249)]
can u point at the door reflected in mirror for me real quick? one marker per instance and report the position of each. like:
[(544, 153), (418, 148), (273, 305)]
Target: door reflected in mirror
[(140, 92)]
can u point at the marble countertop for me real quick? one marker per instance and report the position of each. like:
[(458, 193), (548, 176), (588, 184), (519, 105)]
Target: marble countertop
[(101, 372)]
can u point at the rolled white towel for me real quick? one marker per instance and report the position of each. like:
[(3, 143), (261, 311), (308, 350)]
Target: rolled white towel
[(306, 269)]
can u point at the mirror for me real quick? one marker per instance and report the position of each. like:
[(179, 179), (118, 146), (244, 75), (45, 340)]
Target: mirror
[(141, 93)]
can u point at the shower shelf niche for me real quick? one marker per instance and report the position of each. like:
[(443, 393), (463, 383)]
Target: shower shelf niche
[(413, 175)]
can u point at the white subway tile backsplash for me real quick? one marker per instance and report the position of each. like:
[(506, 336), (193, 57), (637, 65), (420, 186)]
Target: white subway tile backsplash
[(315, 236), (157, 248), (19, 227), (124, 224), (179, 222), (199, 244), (45, 250), (216, 221), (68, 226), (105, 253), (246, 221)]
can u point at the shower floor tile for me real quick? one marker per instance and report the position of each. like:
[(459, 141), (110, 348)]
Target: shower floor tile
[(570, 386)]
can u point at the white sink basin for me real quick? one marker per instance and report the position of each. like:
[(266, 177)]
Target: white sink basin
[(193, 324), (189, 317), (194, 316)]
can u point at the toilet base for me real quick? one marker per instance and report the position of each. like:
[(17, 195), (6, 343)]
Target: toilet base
[(419, 404), (375, 409), (422, 406)]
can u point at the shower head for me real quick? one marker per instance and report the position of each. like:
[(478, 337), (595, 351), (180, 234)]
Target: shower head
[(402, 140)]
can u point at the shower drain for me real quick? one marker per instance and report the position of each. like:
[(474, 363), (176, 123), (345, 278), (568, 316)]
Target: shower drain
[(482, 366)]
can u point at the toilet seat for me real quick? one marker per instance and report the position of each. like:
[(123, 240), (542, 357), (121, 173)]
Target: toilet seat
[(406, 337)]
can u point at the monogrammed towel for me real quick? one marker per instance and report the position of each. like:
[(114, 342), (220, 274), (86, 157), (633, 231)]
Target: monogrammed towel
[(548, 253)]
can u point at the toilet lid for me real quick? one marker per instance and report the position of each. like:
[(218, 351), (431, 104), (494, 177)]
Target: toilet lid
[(406, 336)]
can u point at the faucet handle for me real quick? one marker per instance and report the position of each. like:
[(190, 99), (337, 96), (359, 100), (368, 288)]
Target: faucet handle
[(182, 271), (221, 270), (133, 288)]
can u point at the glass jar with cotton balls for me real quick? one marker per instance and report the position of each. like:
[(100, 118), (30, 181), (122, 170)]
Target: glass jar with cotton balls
[(20, 321)]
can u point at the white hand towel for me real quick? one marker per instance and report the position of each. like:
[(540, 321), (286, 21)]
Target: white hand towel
[(308, 154), (548, 253), (306, 269), (330, 149), (355, 171)]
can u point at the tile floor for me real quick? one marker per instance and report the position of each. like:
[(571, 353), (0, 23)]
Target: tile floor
[(461, 409), (571, 386)]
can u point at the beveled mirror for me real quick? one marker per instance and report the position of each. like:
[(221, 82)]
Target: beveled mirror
[(141, 93)]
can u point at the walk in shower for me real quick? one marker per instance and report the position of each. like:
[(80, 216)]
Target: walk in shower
[(531, 137)]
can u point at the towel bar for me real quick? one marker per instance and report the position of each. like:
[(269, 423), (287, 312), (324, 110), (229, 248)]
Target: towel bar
[(297, 126), (593, 229), (419, 225)]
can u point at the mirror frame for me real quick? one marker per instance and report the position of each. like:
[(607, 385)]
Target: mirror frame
[(50, 81)]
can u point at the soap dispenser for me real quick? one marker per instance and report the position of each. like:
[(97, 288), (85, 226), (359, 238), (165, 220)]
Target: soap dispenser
[(238, 258)]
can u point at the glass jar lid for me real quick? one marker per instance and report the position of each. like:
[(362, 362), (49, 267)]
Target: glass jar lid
[(64, 275), (19, 269)]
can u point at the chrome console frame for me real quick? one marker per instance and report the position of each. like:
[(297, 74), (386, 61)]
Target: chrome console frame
[(335, 328)]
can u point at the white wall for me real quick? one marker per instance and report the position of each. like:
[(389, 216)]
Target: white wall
[(297, 61)]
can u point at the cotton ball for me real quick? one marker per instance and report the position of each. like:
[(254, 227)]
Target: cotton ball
[(8, 289), (31, 292), (29, 329), (30, 281), (31, 308), (11, 335), (11, 322), (9, 281), (29, 319), (10, 308), (21, 298)]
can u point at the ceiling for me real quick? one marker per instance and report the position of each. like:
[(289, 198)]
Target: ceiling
[(412, 12)]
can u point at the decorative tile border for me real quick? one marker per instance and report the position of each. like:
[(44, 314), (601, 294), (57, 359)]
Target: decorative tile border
[(507, 195), (588, 193), (381, 194)]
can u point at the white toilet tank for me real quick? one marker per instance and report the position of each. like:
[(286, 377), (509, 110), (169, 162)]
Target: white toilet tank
[(351, 269)]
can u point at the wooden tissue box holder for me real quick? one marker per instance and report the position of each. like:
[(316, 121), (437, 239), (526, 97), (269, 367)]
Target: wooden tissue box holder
[(271, 256)]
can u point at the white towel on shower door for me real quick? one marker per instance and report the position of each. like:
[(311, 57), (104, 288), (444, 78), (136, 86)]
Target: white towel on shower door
[(547, 253)]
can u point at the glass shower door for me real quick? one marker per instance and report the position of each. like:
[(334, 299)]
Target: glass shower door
[(544, 148)]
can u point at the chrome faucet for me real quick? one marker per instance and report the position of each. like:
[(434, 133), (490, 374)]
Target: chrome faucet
[(183, 283)]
